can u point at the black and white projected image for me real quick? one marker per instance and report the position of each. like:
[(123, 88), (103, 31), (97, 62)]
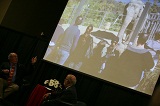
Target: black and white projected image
[(114, 40)]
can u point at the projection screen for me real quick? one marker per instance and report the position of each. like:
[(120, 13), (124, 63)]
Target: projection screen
[(114, 40)]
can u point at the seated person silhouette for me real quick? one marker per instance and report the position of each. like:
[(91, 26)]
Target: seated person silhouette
[(68, 95), (12, 74)]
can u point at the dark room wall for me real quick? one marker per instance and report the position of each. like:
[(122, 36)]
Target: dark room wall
[(4, 4), (34, 16)]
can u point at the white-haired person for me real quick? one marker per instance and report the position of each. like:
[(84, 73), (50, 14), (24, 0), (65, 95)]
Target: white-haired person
[(12, 74), (67, 95)]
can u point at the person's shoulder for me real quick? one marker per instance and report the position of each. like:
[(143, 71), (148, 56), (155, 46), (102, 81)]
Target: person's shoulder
[(72, 87), (148, 53)]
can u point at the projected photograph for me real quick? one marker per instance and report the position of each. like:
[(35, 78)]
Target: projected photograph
[(114, 40)]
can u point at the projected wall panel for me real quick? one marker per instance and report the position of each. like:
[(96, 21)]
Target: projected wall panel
[(117, 41)]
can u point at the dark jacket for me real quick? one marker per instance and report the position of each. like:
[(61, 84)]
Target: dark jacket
[(127, 70), (21, 72), (68, 95)]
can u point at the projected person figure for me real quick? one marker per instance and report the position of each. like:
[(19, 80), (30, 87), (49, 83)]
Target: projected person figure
[(58, 33), (82, 51), (154, 46), (111, 55), (134, 10), (94, 63), (147, 84), (130, 65), (68, 42)]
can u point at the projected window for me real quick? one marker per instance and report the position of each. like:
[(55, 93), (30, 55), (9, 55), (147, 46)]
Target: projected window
[(114, 40)]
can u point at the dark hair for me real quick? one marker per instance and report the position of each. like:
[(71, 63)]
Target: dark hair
[(90, 26), (142, 38), (79, 20)]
